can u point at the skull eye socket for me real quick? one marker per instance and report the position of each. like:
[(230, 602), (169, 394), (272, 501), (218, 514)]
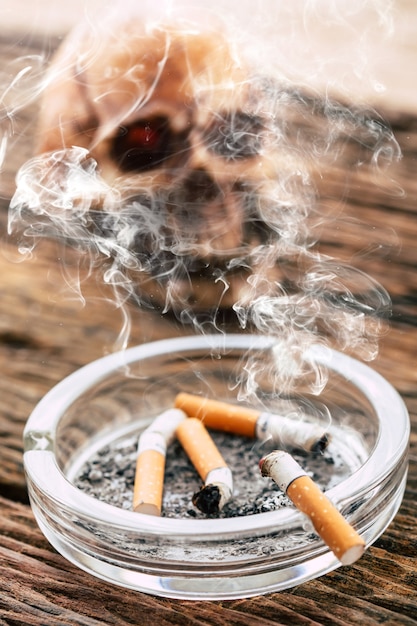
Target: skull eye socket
[(235, 135), (143, 145)]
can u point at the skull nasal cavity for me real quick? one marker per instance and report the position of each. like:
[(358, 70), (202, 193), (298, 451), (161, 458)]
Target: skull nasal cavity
[(200, 187)]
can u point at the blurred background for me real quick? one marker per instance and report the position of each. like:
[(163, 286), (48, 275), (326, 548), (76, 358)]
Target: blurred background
[(367, 47)]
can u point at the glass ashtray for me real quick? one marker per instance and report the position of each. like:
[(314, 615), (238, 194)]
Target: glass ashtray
[(117, 397)]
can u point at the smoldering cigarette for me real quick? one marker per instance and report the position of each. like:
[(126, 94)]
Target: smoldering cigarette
[(342, 539), (280, 430), (209, 463), (150, 463)]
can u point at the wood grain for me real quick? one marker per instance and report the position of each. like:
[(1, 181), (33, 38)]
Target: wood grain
[(46, 333)]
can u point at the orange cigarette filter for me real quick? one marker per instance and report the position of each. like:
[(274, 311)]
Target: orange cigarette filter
[(149, 482), (199, 446), (329, 523), (150, 463), (219, 415)]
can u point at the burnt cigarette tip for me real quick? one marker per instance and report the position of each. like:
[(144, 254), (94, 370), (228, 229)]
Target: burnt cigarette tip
[(207, 500), (321, 444)]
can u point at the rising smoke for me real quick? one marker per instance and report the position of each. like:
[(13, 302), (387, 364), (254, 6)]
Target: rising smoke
[(222, 205)]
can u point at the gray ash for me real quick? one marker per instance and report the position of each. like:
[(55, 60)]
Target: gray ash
[(109, 476)]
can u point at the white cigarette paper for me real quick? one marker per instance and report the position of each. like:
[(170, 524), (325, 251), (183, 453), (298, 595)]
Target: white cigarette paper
[(330, 525), (291, 433), (150, 463), (222, 478)]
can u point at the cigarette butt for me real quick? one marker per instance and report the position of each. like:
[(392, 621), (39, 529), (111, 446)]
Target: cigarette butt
[(219, 415), (209, 463), (248, 422), (342, 539), (149, 482), (150, 464)]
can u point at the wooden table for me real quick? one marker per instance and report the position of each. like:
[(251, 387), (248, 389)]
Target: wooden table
[(45, 334)]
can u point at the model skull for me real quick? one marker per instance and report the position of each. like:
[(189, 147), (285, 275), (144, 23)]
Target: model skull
[(186, 138)]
